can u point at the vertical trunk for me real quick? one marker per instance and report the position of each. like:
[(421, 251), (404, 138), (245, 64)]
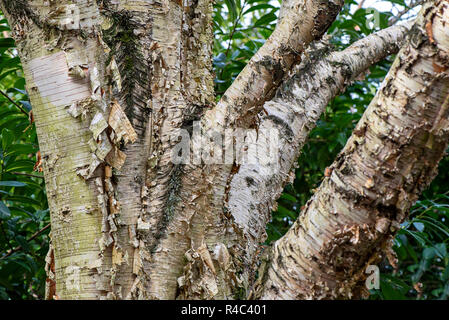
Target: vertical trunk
[(113, 83), (184, 37), (391, 157), (127, 30)]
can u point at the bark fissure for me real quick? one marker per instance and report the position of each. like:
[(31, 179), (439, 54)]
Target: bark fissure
[(191, 90)]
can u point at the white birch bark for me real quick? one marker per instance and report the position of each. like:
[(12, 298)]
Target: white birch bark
[(199, 225), (391, 157), (292, 114), (112, 82), (77, 122)]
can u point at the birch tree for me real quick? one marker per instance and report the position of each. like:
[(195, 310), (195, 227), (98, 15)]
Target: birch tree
[(121, 89)]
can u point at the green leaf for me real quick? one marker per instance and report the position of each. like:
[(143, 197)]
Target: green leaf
[(286, 213), (415, 235), (419, 226), (445, 275), (441, 250), (445, 293), (23, 242), (428, 253), (20, 165), (10, 63), (288, 197), (392, 289), (22, 149), (265, 20), (259, 7), (232, 8), (24, 200), (26, 104), (7, 43), (22, 264), (436, 225)]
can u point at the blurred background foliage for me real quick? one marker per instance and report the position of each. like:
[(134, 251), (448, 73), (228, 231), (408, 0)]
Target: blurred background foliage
[(24, 214), (241, 27)]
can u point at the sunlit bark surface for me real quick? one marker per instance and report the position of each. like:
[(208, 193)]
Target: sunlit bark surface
[(113, 84)]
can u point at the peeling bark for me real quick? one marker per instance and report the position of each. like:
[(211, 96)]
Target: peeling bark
[(203, 207), (70, 84), (112, 83), (293, 112), (185, 66)]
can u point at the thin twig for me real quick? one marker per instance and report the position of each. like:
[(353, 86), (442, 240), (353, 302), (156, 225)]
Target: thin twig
[(15, 103), (18, 248)]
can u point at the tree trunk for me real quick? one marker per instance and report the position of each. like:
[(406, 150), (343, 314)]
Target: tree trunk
[(114, 84), (389, 160)]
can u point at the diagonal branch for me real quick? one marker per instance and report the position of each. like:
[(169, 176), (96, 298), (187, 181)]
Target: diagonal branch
[(14, 103), (18, 248), (290, 116), (303, 22), (196, 210)]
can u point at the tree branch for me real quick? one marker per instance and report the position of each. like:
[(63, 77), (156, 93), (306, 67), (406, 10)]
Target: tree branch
[(398, 17), (28, 175), (389, 160), (200, 201), (14, 103)]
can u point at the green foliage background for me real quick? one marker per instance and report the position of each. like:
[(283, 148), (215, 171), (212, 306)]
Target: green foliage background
[(241, 27)]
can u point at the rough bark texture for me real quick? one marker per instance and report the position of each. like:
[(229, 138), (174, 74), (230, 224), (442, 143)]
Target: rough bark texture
[(293, 112), (201, 229), (113, 83), (192, 93), (391, 157), (102, 74)]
